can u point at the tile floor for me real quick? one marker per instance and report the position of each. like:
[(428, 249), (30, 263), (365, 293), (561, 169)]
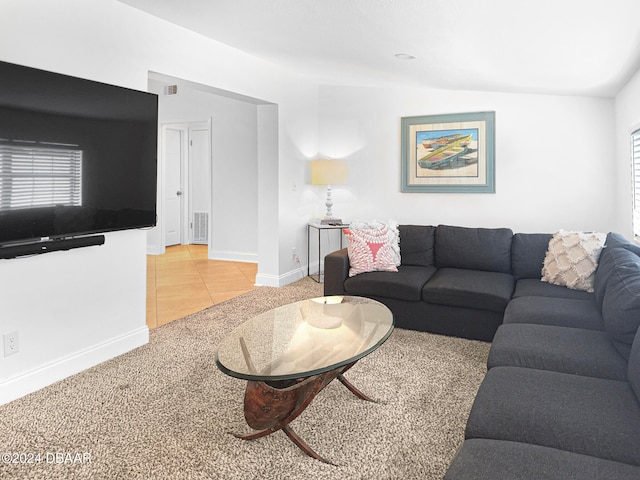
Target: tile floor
[(183, 281)]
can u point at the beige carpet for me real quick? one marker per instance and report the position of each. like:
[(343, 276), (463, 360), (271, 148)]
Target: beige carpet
[(163, 411)]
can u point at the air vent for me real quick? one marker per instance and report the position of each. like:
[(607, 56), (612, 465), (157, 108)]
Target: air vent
[(200, 227), (171, 90)]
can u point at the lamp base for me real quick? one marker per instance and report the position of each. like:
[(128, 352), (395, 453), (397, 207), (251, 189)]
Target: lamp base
[(330, 221)]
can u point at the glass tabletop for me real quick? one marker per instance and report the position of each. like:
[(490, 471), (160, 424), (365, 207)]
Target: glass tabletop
[(305, 338)]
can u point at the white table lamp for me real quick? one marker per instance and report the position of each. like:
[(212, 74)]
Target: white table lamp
[(329, 172)]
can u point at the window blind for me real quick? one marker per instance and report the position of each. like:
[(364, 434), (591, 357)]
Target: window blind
[(39, 175), (635, 154)]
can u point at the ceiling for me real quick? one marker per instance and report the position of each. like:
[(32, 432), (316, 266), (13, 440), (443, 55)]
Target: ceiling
[(568, 47)]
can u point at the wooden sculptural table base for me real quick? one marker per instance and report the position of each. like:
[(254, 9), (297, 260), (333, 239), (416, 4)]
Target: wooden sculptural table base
[(272, 406)]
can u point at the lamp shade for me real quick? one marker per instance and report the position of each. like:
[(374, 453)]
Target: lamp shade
[(328, 172)]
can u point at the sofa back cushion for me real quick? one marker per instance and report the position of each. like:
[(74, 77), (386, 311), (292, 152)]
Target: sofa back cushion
[(416, 245), (487, 249), (606, 262), (618, 240), (527, 254), (621, 303), (633, 372)]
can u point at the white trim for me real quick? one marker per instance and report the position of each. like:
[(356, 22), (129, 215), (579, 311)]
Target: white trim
[(634, 127), (233, 256), (265, 280), (40, 377), (635, 187), (154, 250)]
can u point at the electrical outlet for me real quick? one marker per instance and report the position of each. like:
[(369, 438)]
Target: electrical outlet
[(293, 252), (11, 343)]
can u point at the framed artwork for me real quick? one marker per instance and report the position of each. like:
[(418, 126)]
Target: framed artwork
[(450, 153)]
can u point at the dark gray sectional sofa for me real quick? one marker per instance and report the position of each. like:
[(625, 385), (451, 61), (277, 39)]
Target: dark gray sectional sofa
[(453, 280), (561, 396)]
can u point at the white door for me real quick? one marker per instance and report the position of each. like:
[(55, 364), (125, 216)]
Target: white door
[(173, 187)]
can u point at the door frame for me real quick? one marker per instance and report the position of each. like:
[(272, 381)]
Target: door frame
[(191, 208), (186, 229)]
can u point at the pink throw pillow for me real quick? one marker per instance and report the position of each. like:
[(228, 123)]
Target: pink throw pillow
[(370, 250)]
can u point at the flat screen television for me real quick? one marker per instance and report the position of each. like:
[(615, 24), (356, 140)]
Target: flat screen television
[(77, 157)]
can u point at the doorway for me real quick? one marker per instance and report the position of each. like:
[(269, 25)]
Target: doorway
[(243, 177), (187, 184)]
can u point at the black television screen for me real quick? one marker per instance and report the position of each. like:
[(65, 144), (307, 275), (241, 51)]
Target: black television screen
[(77, 157)]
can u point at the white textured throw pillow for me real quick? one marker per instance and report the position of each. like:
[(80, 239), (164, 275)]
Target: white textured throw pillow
[(572, 259)]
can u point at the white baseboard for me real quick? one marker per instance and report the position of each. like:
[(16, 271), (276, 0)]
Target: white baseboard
[(233, 256), (265, 280), (155, 250), (37, 378)]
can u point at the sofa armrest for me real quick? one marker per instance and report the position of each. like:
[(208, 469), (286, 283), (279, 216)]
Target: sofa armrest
[(336, 271)]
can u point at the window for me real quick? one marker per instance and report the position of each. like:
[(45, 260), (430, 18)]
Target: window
[(635, 155), (39, 175)]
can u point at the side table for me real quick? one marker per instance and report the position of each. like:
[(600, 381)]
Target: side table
[(317, 229)]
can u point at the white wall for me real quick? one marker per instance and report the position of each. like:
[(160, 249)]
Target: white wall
[(627, 121), (72, 310), (555, 159), (75, 309)]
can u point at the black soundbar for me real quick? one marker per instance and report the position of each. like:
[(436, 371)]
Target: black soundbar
[(45, 246)]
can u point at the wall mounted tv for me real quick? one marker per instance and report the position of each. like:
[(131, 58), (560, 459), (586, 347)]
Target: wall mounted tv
[(77, 157)]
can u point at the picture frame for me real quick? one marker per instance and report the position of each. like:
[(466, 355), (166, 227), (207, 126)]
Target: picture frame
[(448, 153)]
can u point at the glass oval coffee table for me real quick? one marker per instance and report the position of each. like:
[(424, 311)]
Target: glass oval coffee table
[(289, 354)]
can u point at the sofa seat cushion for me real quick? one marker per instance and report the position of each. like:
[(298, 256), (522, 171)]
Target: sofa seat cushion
[(529, 287), (475, 289), (405, 284), (559, 349), (585, 415), (621, 302), (484, 459), (563, 312)]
